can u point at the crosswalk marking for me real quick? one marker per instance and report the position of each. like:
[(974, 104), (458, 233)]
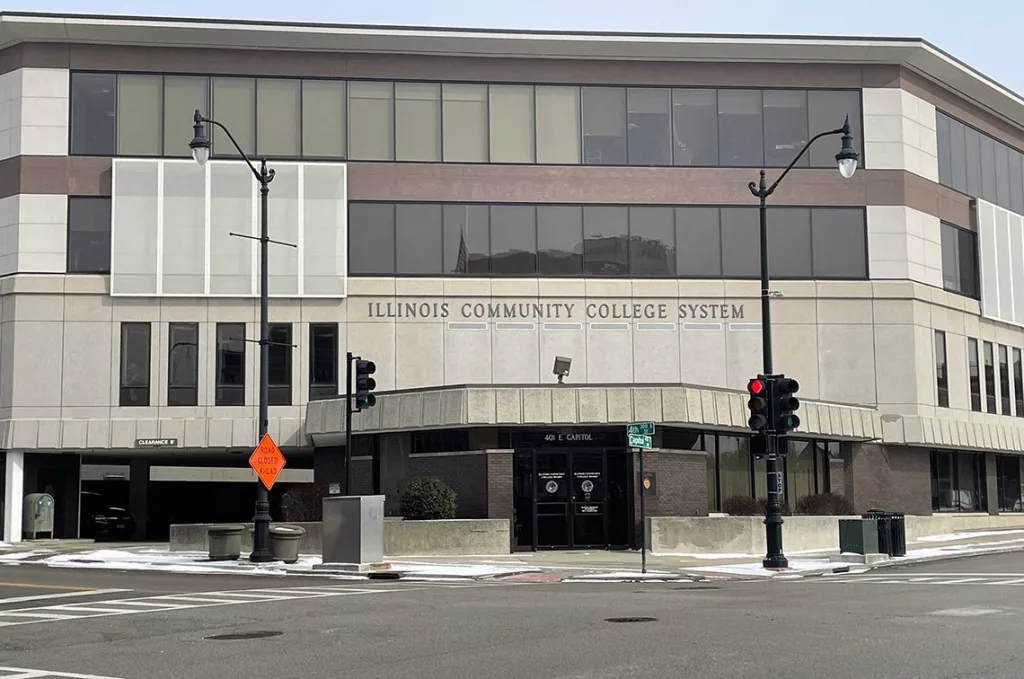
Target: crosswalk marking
[(945, 579), (24, 673)]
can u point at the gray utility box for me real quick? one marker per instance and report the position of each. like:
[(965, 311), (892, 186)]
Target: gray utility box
[(858, 536), (37, 515), (353, 530)]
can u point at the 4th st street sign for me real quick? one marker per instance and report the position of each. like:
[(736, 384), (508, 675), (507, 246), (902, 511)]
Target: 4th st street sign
[(643, 428)]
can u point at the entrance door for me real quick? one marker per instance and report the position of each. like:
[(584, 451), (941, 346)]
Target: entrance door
[(570, 490)]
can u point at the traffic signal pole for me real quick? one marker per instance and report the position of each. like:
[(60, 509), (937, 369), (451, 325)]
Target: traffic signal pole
[(348, 422)]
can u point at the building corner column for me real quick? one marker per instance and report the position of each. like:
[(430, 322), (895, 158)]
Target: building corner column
[(500, 501), (138, 496), (14, 496), (991, 482)]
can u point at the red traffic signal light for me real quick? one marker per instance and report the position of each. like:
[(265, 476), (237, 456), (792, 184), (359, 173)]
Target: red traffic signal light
[(756, 387), (758, 404)]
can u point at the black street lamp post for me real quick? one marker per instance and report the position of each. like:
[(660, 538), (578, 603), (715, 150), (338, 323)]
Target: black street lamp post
[(847, 161), (200, 146)]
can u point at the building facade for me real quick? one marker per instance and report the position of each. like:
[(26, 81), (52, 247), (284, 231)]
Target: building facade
[(464, 206)]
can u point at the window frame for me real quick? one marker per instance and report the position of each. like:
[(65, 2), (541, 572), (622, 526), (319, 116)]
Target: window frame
[(1005, 399), (73, 200), (988, 181), (135, 395), (182, 395), (989, 363), (974, 380), (318, 389), (941, 370), (279, 392), (222, 390)]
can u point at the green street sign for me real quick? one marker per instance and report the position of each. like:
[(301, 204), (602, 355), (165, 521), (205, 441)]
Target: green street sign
[(645, 428), (640, 441)]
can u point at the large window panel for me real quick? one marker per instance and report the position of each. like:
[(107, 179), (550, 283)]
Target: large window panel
[(734, 467), (371, 240), (652, 241), (323, 119), (740, 133), (323, 360), (139, 108), (941, 374), (418, 121), (467, 239), (695, 127), (838, 239), (604, 125), (785, 127), (135, 360), (974, 374), (465, 123), (789, 242), (973, 154), (278, 117), (418, 239), (513, 240), (740, 238), (826, 110), (1018, 384), (184, 229), (558, 125), (1002, 175), (698, 242), (230, 382), (1016, 183), (279, 371), (134, 218), (1004, 380), (511, 123), (324, 242), (943, 150), (183, 96), (371, 121), (649, 122), (606, 240), (988, 168), (959, 260), (88, 234), (283, 207), (234, 106), (800, 481), (990, 377), (94, 114), (958, 155), (183, 364), (231, 211), (560, 240), (1008, 483)]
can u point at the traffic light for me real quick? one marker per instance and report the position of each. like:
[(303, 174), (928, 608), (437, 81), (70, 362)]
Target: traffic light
[(785, 405), (365, 384), (758, 388)]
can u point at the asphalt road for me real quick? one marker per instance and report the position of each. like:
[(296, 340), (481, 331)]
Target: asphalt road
[(934, 621)]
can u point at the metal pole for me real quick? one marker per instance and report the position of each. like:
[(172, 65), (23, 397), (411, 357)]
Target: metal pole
[(773, 512), (348, 422), (643, 518), (261, 522)]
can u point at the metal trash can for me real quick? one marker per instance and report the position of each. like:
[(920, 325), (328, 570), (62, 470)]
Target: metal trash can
[(284, 542), (892, 531), (225, 542), (898, 523)]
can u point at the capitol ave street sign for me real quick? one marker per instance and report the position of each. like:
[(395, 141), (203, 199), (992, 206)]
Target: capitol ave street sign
[(640, 441), (645, 428)]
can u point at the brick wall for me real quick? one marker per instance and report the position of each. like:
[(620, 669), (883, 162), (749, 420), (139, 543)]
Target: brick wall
[(895, 478), (465, 473), (681, 485), (836, 476)]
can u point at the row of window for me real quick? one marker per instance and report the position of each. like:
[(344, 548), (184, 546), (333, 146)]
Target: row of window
[(602, 240), (183, 364), (997, 370), (960, 260), (151, 115), (959, 483), (974, 163)]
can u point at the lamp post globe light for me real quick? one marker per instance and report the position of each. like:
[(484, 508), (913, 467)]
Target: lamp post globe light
[(200, 146), (846, 161)]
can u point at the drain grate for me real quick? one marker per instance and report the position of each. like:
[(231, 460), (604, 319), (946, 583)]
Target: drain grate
[(242, 636), (630, 619)]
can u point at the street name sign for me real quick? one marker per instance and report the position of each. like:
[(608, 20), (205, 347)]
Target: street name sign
[(640, 441), (645, 428), (267, 461)]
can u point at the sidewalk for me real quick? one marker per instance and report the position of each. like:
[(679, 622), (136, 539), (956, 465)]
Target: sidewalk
[(554, 566)]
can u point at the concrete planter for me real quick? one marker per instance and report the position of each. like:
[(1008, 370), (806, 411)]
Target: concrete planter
[(225, 542), (285, 541)]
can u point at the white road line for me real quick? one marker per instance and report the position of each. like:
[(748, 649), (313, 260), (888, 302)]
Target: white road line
[(197, 599), (23, 673), (74, 608), (48, 616), (1018, 581), (964, 575), (957, 581), (61, 595)]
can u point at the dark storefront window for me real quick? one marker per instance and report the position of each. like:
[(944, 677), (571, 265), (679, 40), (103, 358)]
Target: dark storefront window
[(88, 234), (941, 376), (279, 374), (958, 481), (959, 260), (135, 351), (230, 385), (1004, 379), (1008, 483), (974, 374), (183, 364), (990, 377), (323, 360)]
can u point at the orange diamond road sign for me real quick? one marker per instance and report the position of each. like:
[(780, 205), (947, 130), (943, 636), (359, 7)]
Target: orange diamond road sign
[(267, 461)]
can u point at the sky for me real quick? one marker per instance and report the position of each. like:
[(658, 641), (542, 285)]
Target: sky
[(983, 33)]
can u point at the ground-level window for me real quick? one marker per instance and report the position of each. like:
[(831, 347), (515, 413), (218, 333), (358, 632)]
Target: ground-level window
[(958, 481), (1008, 483)]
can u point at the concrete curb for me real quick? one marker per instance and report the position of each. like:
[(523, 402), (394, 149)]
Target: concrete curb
[(862, 568)]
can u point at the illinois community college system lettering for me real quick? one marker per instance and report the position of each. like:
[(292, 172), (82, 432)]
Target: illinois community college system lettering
[(556, 310)]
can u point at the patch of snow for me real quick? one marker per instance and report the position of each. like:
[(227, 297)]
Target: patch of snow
[(621, 576), (756, 569), (949, 537), (456, 570), (21, 556)]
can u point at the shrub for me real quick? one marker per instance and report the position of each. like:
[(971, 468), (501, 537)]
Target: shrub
[(427, 498), (762, 507), (302, 502), (741, 505), (824, 504)]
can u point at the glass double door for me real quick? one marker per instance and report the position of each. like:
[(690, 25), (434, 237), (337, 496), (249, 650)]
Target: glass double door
[(570, 499)]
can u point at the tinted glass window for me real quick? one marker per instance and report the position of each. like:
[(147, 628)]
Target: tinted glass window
[(511, 123), (606, 244), (988, 168), (974, 374), (560, 240), (652, 241), (513, 239), (467, 239), (695, 127), (959, 260), (139, 106), (941, 378), (323, 118), (135, 344), (1004, 379), (323, 360), (650, 127), (942, 145), (789, 242), (1002, 175), (740, 235), (740, 138), (826, 110), (838, 239), (279, 103), (371, 118), (465, 122), (418, 238), (183, 364), (604, 125), (1016, 183), (234, 106), (958, 155), (417, 121), (94, 114), (183, 96), (785, 127), (279, 372), (990, 377), (698, 242), (371, 238), (973, 142), (1018, 383), (230, 383), (558, 124), (88, 234)]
